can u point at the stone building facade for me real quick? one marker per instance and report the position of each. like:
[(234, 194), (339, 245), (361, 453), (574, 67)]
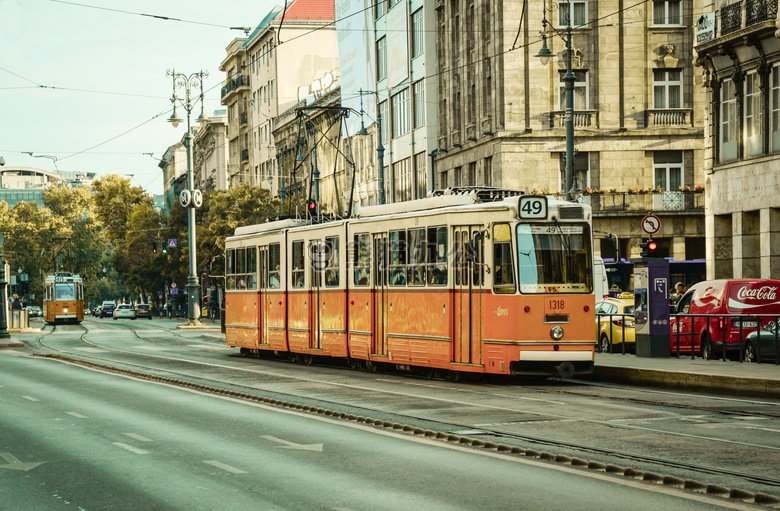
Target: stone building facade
[(739, 55), (638, 110)]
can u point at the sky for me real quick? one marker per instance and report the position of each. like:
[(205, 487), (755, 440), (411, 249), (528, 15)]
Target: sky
[(85, 80)]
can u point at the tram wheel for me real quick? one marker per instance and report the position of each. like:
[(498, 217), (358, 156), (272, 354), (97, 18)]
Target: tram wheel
[(456, 376), (355, 363), (307, 359), (244, 352), (294, 358)]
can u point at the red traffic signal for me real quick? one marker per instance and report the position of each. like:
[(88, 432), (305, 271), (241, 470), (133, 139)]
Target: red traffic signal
[(649, 248), (312, 205)]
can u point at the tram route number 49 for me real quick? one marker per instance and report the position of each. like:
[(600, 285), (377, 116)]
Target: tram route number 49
[(532, 206)]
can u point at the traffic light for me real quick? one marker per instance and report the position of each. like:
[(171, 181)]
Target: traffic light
[(154, 246), (649, 248), (312, 206), (165, 248)]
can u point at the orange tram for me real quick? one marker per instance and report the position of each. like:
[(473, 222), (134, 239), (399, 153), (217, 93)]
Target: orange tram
[(63, 298), (456, 283)]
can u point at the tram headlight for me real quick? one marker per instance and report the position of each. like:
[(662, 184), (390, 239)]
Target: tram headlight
[(556, 332)]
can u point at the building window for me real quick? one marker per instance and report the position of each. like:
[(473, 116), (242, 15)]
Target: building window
[(668, 170), (417, 33), (667, 88), (754, 108), (574, 11), (667, 12), (400, 105), (381, 8), (581, 177), (403, 180), (418, 89), (383, 124), (775, 107), (728, 121), (580, 90), (421, 174), (381, 59)]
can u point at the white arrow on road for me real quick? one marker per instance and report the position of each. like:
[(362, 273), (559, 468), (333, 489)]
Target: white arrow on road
[(15, 464), (291, 445)]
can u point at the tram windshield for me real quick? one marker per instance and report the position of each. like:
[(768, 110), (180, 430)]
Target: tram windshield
[(554, 258), (65, 291)]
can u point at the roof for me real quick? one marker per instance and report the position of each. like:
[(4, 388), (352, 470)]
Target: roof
[(310, 10)]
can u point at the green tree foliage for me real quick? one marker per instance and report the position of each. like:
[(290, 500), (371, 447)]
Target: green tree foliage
[(114, 200), (28, 232)]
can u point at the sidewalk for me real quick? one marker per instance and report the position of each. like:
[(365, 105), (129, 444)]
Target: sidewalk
[(684, 374)]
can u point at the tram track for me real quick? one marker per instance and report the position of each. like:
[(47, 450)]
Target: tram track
[(444, 429)]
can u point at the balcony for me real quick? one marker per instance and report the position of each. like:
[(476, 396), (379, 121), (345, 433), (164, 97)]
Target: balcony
[(744, 14), (233, 86), (669, 118), (620, 203), (582, 119)]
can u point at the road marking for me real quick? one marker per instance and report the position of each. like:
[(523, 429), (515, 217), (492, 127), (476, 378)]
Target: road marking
[(153, 348), (92, 350), (226, 468), (210, 347), (291, 445), (130, 448), (13, 353), (138, 437), (15, 464), (30, 398), (77, 415)]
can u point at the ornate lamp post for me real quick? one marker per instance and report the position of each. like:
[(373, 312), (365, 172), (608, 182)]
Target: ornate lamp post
[(3, 295), (572, 193), (189, 198)]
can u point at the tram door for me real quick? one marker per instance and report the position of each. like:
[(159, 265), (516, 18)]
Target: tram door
[(263, 309), (318, 260), (380, 292), (469, 281)]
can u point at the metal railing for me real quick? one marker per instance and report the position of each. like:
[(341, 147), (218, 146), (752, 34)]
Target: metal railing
[(612, 326), (722, 319), (608, 202)]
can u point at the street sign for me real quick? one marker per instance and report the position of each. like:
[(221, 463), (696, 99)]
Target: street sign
[(651, 224), (171, 243)]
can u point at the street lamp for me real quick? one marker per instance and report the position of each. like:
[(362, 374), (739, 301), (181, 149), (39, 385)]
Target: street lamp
[(3, 296), (188, 197), (572, 193)]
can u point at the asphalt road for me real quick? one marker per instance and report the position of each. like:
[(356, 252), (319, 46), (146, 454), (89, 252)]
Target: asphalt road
[(355, 466)]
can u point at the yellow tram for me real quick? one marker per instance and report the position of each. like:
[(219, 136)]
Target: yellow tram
[(63, 298)]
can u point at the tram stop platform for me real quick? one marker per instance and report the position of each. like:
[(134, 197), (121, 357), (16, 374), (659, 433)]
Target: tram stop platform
[(686, 374)]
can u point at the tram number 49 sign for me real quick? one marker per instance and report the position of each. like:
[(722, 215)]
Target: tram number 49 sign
[(532, 206), (651, 224)]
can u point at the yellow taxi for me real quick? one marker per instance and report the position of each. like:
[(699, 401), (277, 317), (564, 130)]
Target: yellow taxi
[(615, 323)]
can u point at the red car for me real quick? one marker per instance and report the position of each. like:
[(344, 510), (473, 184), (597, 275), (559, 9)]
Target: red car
[(758, 300)]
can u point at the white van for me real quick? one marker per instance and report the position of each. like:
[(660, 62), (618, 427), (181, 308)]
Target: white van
[(600, 283)]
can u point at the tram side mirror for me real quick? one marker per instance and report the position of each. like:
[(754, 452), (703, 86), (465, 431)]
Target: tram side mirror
[(770, 326)]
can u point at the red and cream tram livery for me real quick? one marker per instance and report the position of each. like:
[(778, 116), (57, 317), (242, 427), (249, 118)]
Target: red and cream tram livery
[(451, 282)]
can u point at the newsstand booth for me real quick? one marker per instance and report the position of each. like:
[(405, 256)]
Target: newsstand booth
[(723, 312)]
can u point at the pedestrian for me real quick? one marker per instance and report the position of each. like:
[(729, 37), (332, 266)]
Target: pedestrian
[(17, 304)]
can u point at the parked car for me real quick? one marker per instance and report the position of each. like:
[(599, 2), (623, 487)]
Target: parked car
[(33, 311), (760, 345), (618, 329), (751, 297), (107, 309), (97, 311), (143, 310), (124, 310)]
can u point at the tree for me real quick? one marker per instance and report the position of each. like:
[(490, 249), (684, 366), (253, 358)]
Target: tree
[(114, 200)]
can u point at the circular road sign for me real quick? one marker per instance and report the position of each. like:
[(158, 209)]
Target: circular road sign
[(651, 224)]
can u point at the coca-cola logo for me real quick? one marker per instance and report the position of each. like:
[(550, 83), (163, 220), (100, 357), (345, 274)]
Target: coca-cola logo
[(757, 293)]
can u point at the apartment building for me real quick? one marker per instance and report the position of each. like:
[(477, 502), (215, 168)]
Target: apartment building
[(209, 153), (739, 54), (290, 55)]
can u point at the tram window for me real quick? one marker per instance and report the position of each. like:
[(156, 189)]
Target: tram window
[(397, 258), (230, 262), (297, 263), (332, 268), (251, 267), (362, 263), (416, 268), (477, 247), (503, 267), (240, 260), (64, 291), (437, 256), (274, 258)]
